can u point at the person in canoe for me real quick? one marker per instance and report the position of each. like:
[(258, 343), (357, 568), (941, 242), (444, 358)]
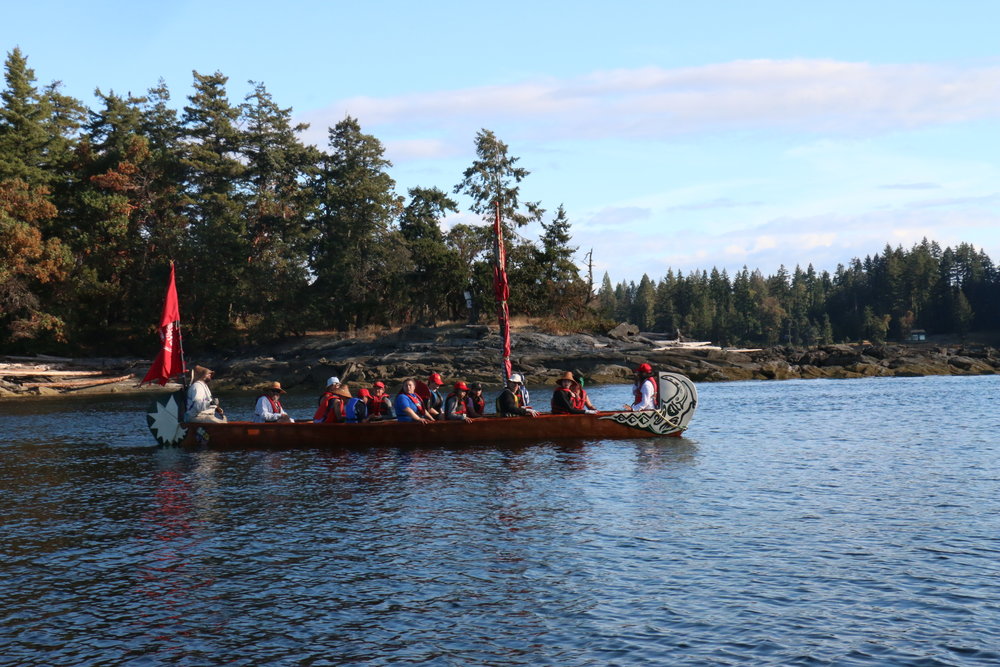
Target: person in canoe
[(356, 409), (476, 403), (408, 405), (645, 393), (511, 401), (324, 399), (380, 403), (565, 399), (268, 408), (201, 406), (581, 400), (331, 405), (434, 402), (455, 406)]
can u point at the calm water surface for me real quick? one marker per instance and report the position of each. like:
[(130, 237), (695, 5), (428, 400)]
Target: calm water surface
[(851, 522)]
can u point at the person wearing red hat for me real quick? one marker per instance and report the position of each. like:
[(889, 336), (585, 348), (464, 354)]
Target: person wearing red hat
[(456, 408), (434, 403), (380, 403), (646, 394)]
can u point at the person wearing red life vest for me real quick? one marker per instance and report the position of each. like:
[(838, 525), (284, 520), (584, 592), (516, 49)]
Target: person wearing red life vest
[(324, 400), (455, 406), (434, 404), (646, 395), (564, 397), (332, 405), (408, 405), (268, 408), (580, 398), (475, 402), (380, 404)]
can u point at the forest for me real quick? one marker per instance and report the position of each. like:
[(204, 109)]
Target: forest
[(273, 237)]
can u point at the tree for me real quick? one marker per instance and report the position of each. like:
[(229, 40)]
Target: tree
[(355, 251), (28, 260), (439, 279), (219, 243)]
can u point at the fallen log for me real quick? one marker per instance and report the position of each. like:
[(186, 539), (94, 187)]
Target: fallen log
[(77, 384), (44, 372)]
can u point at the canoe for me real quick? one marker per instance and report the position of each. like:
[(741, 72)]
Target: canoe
[(485, 430), (678, 400)]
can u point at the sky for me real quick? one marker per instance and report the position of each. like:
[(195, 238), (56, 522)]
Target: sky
[(676, 135)]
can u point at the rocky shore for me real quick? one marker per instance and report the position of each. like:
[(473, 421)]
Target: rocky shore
[(470, 352)]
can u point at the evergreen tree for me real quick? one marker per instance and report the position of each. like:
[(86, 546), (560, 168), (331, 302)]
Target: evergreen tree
[(437, 285)]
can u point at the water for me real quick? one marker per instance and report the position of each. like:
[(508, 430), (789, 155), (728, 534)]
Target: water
[(851, 522)]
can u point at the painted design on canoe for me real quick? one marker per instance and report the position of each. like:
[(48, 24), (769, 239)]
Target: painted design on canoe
[(678, 401), (164, 419)]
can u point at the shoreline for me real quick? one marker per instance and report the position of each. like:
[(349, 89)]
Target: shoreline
[(469, 352)]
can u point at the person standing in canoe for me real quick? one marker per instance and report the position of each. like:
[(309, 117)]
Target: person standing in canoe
[(201, 407), (268, 408), (645, 393), (455, 406), (511, 401), (408, 405), (564, 398)]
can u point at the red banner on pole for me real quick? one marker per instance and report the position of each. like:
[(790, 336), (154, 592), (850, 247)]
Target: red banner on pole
[(170, 361), (501, 291)]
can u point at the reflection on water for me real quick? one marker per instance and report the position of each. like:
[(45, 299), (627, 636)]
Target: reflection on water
[(801, 522)]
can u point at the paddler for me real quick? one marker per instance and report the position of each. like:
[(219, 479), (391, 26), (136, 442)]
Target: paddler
[(434, 403), (645, 393), (475, 401), (564, 397), (201, 407), (324, 400), (455, 406), (268, 408), (379, 403), (408, 406), (511, 401)]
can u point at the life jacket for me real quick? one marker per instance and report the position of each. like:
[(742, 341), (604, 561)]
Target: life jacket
[(435, 401), (518, 399), (656, 391), (331, 417), (475, 404), (275, 403), (379, 406), (556, 409), (579, 401), (415, 403), (460, 407), (355, 410)]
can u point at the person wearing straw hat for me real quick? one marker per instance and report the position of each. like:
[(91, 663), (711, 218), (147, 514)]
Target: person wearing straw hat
[(564, 397), (335, 406), (268, 408), (201, 407)]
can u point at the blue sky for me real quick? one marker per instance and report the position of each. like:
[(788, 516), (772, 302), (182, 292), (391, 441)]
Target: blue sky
[(675, 136)]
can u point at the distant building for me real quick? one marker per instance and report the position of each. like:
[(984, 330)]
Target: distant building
[(917, 336)]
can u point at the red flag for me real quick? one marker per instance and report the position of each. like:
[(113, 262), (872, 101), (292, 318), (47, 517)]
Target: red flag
[(170, 361), (501, 290)]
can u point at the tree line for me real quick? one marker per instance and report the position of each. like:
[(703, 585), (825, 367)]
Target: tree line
[(271, 236), (274, 237)]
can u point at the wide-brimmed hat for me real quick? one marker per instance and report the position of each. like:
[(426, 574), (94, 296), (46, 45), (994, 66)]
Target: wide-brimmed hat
[(332, 380), (199, 371), (274, 386), (516, 377), (343, 391), (435, 378), (566, 376), (461, 385)]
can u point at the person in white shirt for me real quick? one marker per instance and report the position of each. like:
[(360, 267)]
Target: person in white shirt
[(201, 407), (268, 407), (645, 392)]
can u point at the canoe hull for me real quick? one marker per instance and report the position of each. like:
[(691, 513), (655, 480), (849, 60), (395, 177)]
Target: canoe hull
[(485, 431)]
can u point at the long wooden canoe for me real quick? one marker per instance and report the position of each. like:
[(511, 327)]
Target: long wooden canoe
[(677, 394)]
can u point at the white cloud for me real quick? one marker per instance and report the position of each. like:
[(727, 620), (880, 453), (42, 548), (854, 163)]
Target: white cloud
[(803, 95)]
